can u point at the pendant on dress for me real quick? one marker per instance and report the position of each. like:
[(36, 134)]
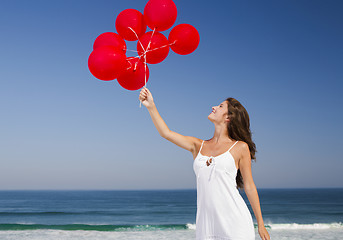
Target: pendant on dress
[(209, 161)]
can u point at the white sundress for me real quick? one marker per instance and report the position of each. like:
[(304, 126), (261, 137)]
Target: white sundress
[(221, 211)]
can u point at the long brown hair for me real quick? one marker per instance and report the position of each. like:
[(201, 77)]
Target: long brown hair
[(239, 129)]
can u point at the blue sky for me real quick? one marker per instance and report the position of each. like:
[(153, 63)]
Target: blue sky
[(63, 129)]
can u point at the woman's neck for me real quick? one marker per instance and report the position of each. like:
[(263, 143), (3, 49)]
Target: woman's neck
[(221, 134)]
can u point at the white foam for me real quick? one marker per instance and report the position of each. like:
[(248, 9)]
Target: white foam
[(314, 226), (190, 226)]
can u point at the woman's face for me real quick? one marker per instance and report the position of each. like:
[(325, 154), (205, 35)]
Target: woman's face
[(219, 113)]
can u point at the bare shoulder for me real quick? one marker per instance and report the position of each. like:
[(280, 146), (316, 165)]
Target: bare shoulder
[(242, 149), (242, 146)]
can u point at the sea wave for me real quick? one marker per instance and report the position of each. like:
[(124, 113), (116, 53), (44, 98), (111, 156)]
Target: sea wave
[(313, 226), (148, 227), (87, 227)]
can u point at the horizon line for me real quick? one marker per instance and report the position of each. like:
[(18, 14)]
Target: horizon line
[(171, 189)]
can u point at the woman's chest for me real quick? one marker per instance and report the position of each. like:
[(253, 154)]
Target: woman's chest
[(222, 163)]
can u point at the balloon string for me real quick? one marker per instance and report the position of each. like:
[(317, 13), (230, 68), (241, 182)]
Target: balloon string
[(161, 47), (129, 66), (145, 83), (153, 49), (144, 54), (145, 73), (136, 37), (140, 102), (147, 48), (145, 63), (131, 50)]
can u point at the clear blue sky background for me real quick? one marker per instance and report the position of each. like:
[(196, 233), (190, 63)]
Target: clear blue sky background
[(63, 129)]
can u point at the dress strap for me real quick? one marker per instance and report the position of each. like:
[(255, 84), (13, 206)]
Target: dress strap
[(201, 145), (232, 146)]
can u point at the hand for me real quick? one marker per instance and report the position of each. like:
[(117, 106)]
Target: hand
[(263, 233), (146, 98)]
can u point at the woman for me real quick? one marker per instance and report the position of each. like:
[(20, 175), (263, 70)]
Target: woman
[(221, 211)]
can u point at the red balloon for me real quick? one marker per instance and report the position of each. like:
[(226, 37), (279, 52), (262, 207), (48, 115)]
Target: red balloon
[(158, 49), (184, 39), (112, 39), (106, 62), (130, 18), (133, 77), (160, 14)]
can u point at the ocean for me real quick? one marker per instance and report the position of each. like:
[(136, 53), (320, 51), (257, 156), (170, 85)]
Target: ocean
[(159, 214)]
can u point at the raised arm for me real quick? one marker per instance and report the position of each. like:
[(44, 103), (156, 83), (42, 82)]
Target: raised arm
[(187, 142)]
